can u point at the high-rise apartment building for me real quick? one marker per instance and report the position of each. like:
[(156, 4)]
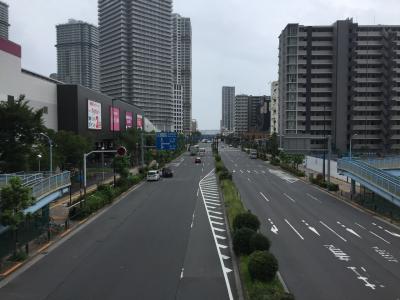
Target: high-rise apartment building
[(275, 107), (4, 20), (182, 64), (136, 55), (241, 114), (78, 54), (259, 114), (228, 102), (178, 108), (341, 80)]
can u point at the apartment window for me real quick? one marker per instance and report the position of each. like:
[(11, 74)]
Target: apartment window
[(45, 110)]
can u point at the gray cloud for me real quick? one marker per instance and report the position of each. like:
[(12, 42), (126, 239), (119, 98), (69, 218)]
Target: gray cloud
[(235, 42)]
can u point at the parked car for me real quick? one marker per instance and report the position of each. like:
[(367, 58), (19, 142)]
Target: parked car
[(167, 172), (153, 175), (197, 160)]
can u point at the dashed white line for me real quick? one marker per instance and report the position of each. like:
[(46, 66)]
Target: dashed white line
[(262, 195), (294, 229), (333, 231), (360, 226), (314, 198), (290, 198), (379, 237)]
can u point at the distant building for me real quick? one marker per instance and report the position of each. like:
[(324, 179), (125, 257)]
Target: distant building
[(228, 102), (259, 114), (136, 55), (4, 20), (194, 125), (182, 65), (275, 107), (53, 76), (341, 80), (241, 114), (78, 54)]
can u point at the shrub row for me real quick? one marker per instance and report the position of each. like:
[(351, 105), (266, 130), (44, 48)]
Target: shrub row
[(292, 170), (319, 180)]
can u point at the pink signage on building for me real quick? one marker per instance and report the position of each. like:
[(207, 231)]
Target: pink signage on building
[(128, 119), (114, 119)]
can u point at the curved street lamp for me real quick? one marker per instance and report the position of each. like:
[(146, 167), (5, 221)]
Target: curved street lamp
[(51, 150)]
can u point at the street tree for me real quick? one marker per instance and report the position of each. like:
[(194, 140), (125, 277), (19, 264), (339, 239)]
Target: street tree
[(19, 128), (131, 140)]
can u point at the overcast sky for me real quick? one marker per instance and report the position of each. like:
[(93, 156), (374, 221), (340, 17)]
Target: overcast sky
[(235, 42)]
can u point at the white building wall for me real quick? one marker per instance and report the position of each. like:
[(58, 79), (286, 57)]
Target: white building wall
[(40, 92), (275, 107)]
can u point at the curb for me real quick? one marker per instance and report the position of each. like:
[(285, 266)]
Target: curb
[(62, 238)]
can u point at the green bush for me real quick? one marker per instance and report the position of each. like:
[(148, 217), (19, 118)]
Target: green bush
[(219, 166), (259, 242), (333, 187), (241, 241), (134, 179), (217, 157), (262, 266), (19, 256), (225, 175), (275, 161), (107, 191), (246, 219)]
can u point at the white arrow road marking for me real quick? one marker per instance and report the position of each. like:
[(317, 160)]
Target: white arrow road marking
[(362, 278), (379, 237), (353, 232), (274, 229), (311, 228), (392, 233), (290, 198), (182, 273), (262, 195), (227, 270), (333, 231), (294, 229), (225, 257)]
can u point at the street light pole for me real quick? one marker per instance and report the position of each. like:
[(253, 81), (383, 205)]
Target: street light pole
[(351, 137), (113, 134), (39, 157), (51, 150)]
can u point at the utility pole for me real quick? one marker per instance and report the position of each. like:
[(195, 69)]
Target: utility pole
[(324, 147), (329, 157)]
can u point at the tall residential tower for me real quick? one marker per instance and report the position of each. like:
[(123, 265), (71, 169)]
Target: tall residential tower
[(341, 80), (228, 108), (78, 54), (4, 20), (182, 68), (136, 55)]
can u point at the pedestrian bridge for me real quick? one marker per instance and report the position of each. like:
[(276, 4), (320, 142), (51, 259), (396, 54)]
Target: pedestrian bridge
[(376, 175)]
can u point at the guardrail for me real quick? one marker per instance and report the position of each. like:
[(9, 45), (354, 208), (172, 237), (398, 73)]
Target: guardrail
[(50, 184), (26, 178), (384, 163), (381, 179)]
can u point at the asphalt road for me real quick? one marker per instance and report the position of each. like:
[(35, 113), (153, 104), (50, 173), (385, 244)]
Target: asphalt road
[(157, 243), (326, 248)]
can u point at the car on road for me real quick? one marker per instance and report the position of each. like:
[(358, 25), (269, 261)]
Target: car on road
[(197, 160), (167, 172), (153, 175)]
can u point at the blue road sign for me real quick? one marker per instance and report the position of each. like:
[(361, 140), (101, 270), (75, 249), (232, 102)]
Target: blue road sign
[(166, 140)]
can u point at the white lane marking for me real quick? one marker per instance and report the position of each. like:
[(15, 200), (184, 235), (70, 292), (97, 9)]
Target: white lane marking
[(219, 229), (198, 192), (379, 237), (294, 229), (215, 217), (216, 200), (274, 229), (283, 176), (290, 198), (362, 278), (339, 254), (248, 179), (248, 171), (210, 207), (225, 270), (220, 237), (353, 232), (263, 172), (212, 203), (182, 272), (333, 231), (360, 226), (218, 223), (311, 228), (241, 171), (313, 197), (225, 257), (222, 246), (262, 195), (233, 171), (364, 269), (392, 233), (255, 171)]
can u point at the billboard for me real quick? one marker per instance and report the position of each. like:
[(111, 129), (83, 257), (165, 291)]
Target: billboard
[(114, 118), (128, 119), (94, 115), (139, 121)]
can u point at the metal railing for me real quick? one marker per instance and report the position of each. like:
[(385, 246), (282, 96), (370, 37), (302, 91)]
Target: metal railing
[(26, 178), (384, 163), (50, 184), (372, 175)]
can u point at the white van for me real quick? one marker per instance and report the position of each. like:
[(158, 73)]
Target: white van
[(202, 151)]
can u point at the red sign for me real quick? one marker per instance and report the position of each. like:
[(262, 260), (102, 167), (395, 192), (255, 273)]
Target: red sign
[(128, 119), (139, 121), (114, 118)]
